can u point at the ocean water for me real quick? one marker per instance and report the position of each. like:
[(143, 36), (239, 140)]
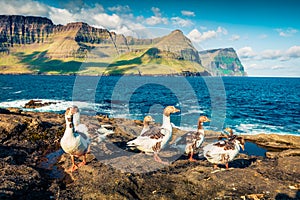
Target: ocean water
[(248, 105)]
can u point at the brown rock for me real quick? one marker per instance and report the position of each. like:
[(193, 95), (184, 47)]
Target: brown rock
[(275, 141), (113, 172)]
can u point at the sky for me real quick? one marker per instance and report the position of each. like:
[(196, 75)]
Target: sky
[(264, 33)]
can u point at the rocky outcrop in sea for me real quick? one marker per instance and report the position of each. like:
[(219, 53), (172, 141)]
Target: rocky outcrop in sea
[(31, 160)]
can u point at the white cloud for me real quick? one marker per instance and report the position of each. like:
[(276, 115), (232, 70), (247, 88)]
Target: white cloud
[(107, 21), (188, 13), (209, 35), (157, 18), (293, 52), (246, 52), (235, 37), (61, 16), (154, 20), (222, 30), (120, 9), (271, 54), (196, 36), (23, 7), (277, 67), (181, 22), (286, 32)]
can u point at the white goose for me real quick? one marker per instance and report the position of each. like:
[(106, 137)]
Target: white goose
[(153, 140), (146, 122), (192, 140), (74, 142), (224, 151)]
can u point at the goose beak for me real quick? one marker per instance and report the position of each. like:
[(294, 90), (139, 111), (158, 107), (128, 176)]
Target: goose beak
[(152, 121), (176, 110)]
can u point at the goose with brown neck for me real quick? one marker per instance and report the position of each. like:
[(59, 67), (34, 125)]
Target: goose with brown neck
[(224, 151), (194, 139), (155, 139)]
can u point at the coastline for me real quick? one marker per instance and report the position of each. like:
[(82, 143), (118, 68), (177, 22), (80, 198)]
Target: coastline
[(29, 138), (192, 74)]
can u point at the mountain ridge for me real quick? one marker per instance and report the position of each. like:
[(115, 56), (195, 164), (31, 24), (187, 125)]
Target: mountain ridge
[(36, 45)]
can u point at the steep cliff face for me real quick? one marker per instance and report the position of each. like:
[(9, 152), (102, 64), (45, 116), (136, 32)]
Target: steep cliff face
[(222, 62), (17, 30), (177, 43)]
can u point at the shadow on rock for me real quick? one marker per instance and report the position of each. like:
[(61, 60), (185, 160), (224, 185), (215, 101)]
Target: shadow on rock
[(242, 163), (282, 196)]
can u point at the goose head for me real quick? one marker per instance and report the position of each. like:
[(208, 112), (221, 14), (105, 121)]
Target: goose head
[(202, 119), (69, 117), (170, 110), (68, 114), (228, 131), (148, 119)]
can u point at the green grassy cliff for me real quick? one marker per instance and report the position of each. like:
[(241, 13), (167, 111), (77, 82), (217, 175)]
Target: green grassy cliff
[(36, 45)]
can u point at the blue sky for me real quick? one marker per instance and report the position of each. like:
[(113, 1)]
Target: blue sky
[(265, 34)]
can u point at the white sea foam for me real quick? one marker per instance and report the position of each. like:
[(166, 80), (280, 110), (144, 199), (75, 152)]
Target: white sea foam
[(192, 111), (254, 129), (18, 92), (55, 106), (6, 88)]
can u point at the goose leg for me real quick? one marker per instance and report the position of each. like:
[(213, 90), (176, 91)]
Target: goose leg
[(226, 165), (191, 157), (74, 166), (157, 159), (83, 161), (89, 149)]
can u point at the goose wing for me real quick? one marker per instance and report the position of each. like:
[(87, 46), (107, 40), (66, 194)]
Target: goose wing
[(154, 133), (149, 141)]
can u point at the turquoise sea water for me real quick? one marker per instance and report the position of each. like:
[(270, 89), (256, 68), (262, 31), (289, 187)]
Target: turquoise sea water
[(248, 105)]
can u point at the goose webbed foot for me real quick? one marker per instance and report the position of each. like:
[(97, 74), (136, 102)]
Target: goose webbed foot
[(74, 166)]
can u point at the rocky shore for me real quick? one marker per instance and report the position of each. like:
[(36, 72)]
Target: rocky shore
[(33, 166)]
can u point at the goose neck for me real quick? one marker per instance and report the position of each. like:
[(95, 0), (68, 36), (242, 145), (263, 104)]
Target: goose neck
[(200, 126), (166, 123)]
